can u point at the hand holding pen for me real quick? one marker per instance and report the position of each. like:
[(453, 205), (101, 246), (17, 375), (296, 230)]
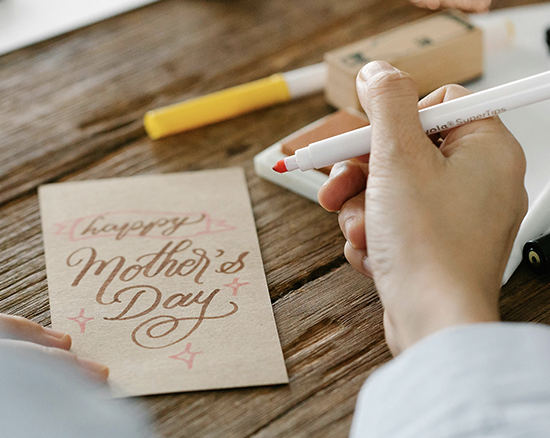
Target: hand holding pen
[(438, 223), (438, 118)]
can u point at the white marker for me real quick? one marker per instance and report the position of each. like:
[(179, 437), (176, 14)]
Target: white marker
[(441, 117)]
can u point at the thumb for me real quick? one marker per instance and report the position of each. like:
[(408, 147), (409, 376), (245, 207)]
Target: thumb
[(390, 99)]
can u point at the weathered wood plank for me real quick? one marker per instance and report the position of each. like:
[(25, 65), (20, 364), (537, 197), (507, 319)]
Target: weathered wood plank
[(70, 101), (71, 109), (312, 236), (328, 333)]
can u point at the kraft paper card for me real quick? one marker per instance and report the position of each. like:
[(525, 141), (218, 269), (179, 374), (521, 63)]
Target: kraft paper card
[(161, 279)]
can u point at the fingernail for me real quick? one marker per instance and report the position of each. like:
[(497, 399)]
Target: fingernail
[(348, 223), (67, 340), (366, 264), (94, 367), (54, 333), (337, 169), (373, 68)]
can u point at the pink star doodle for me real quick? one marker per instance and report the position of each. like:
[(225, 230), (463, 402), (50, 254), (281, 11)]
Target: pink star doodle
[(187, 350), (81, 320), (235, 285)]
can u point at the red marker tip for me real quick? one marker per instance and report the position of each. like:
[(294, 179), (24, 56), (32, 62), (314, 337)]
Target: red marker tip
[(280, 166)]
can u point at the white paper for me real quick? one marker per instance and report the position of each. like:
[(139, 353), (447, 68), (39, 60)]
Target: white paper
[(25, 22)]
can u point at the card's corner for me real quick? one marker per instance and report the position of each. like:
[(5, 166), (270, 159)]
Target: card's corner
[(239, 169), (41, 188)]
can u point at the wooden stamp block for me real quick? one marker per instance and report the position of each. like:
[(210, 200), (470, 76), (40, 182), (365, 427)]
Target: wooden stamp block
[(441, 49)]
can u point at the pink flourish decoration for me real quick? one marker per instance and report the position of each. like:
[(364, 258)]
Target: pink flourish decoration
[(71, 228), (235, 285), (187, 351), (81, 320)]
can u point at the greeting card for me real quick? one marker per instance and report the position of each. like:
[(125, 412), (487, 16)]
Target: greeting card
[(161, 278)]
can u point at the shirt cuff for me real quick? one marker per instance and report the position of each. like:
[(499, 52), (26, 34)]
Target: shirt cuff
[(488, 380)]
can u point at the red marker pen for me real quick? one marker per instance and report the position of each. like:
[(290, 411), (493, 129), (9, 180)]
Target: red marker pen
[(441, 117)]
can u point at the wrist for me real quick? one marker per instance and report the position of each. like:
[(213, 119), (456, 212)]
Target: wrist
[(421, 313)]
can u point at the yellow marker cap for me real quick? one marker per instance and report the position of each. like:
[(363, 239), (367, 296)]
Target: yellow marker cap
[(217, 106)]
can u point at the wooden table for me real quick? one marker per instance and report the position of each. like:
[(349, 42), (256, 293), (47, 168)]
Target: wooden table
[(71, 108)]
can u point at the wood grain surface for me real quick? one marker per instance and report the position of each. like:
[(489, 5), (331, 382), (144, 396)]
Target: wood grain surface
[(71, 108)]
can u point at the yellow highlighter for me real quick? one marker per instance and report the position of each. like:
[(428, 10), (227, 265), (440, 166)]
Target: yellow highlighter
[(232, 102)]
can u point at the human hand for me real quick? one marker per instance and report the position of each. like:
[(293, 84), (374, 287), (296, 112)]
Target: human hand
[(463, 5), (27, 336), (438, 223)]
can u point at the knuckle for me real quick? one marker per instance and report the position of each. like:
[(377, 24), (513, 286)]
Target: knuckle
[(522, 203), (515, 165), (384, 82), (525, 203), (454, 91)]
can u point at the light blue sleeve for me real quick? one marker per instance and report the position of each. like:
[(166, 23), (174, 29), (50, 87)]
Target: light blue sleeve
[(42, 397), (480, 380)]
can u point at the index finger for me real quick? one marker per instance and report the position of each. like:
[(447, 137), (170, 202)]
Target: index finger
[(346, 180), (443, 94)]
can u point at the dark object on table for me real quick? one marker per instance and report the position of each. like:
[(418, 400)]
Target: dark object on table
[(548, 37), (536, 254)]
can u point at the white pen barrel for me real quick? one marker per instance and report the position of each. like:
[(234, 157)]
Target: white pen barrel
[(447, 115), (487, 103), (332, 150)]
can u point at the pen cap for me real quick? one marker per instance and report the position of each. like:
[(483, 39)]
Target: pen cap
[(536, 254), (306, 80)]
